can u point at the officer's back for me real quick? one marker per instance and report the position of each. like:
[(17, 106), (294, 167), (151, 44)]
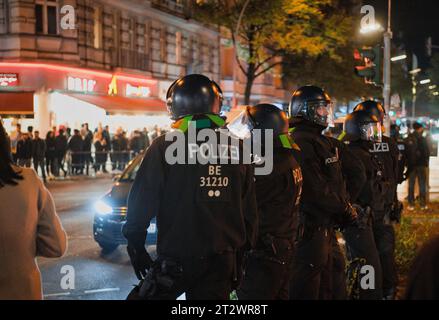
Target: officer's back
[(202, 195)]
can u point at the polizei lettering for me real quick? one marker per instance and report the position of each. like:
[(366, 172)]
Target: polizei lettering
[(380, 147)]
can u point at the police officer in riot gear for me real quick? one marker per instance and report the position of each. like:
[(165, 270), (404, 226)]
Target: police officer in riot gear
[(362, 130), (387, 153), (205, 212), (324, 202), (268, 265)]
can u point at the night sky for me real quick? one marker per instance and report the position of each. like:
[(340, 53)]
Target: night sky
[(412, 22)]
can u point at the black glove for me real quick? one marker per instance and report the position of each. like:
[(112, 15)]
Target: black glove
[(349, 216), (140, 260), (364, 216)]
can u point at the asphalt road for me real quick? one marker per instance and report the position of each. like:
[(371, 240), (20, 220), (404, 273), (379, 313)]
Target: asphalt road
[(96, 275)]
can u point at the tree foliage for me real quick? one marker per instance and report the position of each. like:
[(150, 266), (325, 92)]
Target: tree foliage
[(270, 29)]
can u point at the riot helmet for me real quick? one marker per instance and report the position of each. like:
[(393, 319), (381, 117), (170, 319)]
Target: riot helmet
[(372, 107), (193, 94), (360, 125), (263, 117), (311, 103)]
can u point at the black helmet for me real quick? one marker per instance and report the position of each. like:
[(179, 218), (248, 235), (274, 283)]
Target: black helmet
[(360, 125), (193, 94), (263, 117), (305, 102), (268, 116), (373, 108)]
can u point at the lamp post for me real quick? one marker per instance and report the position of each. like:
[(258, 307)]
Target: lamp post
[(387, 59), (414, 72), (386, 66)]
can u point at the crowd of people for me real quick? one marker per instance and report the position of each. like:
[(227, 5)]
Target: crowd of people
[(74, 153)]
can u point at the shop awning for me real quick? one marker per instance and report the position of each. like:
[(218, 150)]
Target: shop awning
[(123, 105), (17, 104)]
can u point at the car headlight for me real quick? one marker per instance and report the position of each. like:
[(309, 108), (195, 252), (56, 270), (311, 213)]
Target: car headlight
[(102, 208)]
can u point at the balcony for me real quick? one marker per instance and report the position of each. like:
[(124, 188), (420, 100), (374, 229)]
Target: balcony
[(130, 59), (174, 7)]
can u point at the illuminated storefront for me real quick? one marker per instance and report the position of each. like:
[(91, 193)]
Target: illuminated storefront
[(46, 95)]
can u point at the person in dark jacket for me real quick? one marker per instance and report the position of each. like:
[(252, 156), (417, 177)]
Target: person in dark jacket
[(135, 143), (268, 267), (76, 146), (50, 154), (60, 151), (24, 151), (119, 150), (206, 212), (38, 154), (87, 138), (324, 203), (421, 158), (423, 281), (100, 144)]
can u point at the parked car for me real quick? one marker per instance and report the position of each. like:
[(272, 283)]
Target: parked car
[(111, 209)]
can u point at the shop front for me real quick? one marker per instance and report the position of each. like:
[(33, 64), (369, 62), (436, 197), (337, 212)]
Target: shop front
[(47, 95)]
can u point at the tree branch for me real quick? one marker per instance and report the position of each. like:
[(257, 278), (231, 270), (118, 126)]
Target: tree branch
[(268, 68), (236, 55)]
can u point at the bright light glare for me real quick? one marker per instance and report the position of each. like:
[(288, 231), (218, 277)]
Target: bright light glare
[(436, 93), (102, 208), (425, 81), (401, 57), (371, 28), (415, 71), (432, 87)]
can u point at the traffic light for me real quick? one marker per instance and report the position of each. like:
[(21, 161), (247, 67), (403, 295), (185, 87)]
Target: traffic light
[(370, 67)]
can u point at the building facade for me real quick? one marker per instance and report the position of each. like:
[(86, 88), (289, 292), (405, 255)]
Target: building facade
[(67, 62)]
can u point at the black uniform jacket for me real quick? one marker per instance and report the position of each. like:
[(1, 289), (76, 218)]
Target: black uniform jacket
[(278, 196), (324, 195), (201, 209), (373, 192), (387, 152), (353, 169)]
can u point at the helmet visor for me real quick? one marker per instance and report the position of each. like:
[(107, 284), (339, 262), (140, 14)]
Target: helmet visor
[(323, 112), (242, 126), (371, 132)]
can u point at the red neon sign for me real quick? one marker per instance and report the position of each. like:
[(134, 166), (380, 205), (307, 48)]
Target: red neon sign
[(8, 79)]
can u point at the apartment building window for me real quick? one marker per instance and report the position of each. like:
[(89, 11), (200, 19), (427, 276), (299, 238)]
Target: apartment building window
[(163, 45), (97, 28), (46, 17)]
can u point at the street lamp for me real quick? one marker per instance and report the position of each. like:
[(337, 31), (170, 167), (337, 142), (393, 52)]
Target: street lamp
[(433, 86), (371, 28), (425, 81), (414, 72), (397, 58)]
